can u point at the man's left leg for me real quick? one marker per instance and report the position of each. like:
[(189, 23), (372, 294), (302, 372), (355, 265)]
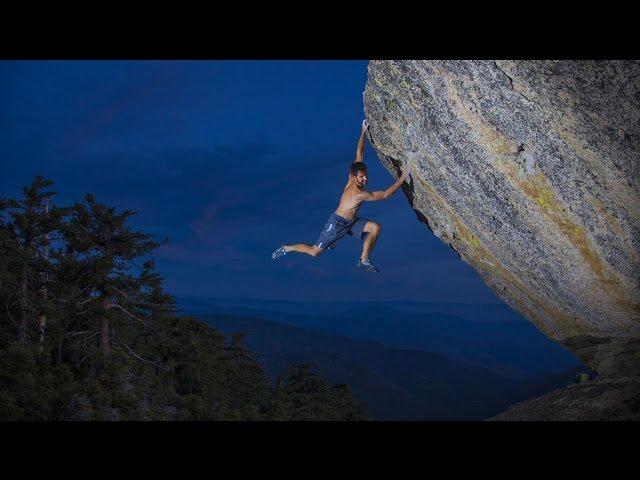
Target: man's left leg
[(373, 230), (370, 231)]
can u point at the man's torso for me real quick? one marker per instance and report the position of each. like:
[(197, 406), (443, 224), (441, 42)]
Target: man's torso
[(349, 202)]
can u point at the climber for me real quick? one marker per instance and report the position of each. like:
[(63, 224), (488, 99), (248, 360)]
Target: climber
[(344, 220)]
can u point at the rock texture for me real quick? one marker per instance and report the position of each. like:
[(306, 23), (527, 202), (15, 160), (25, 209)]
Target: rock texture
[(605, 399), (529, 170)]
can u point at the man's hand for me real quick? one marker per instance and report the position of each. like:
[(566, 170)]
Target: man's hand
[(383, 195), (365, 125), (406, 171)]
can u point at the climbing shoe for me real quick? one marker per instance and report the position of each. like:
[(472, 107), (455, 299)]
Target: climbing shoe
[(367, 265), (278, 253)]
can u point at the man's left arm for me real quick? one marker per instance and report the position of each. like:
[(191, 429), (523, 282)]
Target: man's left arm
[(384, 194)]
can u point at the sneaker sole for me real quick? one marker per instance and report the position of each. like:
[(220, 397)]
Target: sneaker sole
[(368, 269)]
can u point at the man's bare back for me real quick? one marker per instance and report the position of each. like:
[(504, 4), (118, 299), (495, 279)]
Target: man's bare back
[(344, 220)]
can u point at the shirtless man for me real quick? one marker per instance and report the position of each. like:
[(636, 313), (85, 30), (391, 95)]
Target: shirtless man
[(344, 220)]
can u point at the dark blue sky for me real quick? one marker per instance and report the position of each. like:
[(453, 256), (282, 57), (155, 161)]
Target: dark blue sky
[(229, 160)]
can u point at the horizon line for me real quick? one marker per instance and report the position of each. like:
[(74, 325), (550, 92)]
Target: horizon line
[(200, 297)]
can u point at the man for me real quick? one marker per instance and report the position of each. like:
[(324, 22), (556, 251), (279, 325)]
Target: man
[(344, 220)]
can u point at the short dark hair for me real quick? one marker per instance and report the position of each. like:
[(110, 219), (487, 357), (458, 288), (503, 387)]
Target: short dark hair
[(357, 167)]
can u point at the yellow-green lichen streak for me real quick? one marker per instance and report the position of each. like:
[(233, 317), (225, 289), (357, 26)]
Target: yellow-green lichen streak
[(537, 187), (478, 256)]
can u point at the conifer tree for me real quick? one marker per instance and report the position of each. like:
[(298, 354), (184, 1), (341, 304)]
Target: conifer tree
[(102, 241), (24, 240)]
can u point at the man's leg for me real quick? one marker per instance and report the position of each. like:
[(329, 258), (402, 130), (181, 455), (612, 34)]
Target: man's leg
[(312, 250), (373, 230)]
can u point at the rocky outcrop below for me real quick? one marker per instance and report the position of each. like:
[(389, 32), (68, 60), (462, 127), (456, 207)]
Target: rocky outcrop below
[(604, 399), (529, 170)]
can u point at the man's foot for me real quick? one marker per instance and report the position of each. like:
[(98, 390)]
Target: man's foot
[(278, 253), (367, 265)]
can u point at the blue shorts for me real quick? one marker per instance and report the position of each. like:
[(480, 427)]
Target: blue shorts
[(337, 227)]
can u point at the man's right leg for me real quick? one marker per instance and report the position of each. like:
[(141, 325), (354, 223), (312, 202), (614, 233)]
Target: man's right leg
[(330, 234), (312, 250)]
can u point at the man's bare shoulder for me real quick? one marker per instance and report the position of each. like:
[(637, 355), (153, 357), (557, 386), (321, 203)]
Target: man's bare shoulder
[(353, 192)]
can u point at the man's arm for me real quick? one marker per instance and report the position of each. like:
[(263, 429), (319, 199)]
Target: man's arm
[(384, 194), (360, 148)]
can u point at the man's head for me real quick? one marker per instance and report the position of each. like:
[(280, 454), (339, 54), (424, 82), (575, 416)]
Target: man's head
[(359, 172)]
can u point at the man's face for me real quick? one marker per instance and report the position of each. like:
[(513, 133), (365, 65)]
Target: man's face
[(361, 178)]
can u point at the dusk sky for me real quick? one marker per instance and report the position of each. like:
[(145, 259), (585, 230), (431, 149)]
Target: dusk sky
[(229, 160)]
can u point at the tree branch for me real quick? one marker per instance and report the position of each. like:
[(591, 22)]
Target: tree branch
[(109, 306), (83, 340), (156, 363), (139, 302), (7, 307), (136, 355)]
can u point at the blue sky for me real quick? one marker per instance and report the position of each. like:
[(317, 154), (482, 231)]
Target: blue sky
[(229, 160)]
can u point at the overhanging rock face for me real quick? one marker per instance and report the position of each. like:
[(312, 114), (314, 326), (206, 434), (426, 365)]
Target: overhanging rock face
[(529, 170)]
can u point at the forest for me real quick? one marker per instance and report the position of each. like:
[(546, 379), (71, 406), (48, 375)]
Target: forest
[(87, 331)]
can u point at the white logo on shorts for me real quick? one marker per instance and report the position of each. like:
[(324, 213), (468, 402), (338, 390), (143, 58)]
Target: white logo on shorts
[(330, 225)]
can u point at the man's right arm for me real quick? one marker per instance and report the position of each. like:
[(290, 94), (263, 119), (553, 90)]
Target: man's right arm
[(384, 194), (360, 147)]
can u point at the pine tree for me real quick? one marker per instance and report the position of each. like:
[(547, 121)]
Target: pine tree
[(106, 246), (25, 239), (301, 394)]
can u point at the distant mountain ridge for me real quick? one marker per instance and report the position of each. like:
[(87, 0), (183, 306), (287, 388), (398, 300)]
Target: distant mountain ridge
[(473, 312), (395, 384), (509, 345)]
